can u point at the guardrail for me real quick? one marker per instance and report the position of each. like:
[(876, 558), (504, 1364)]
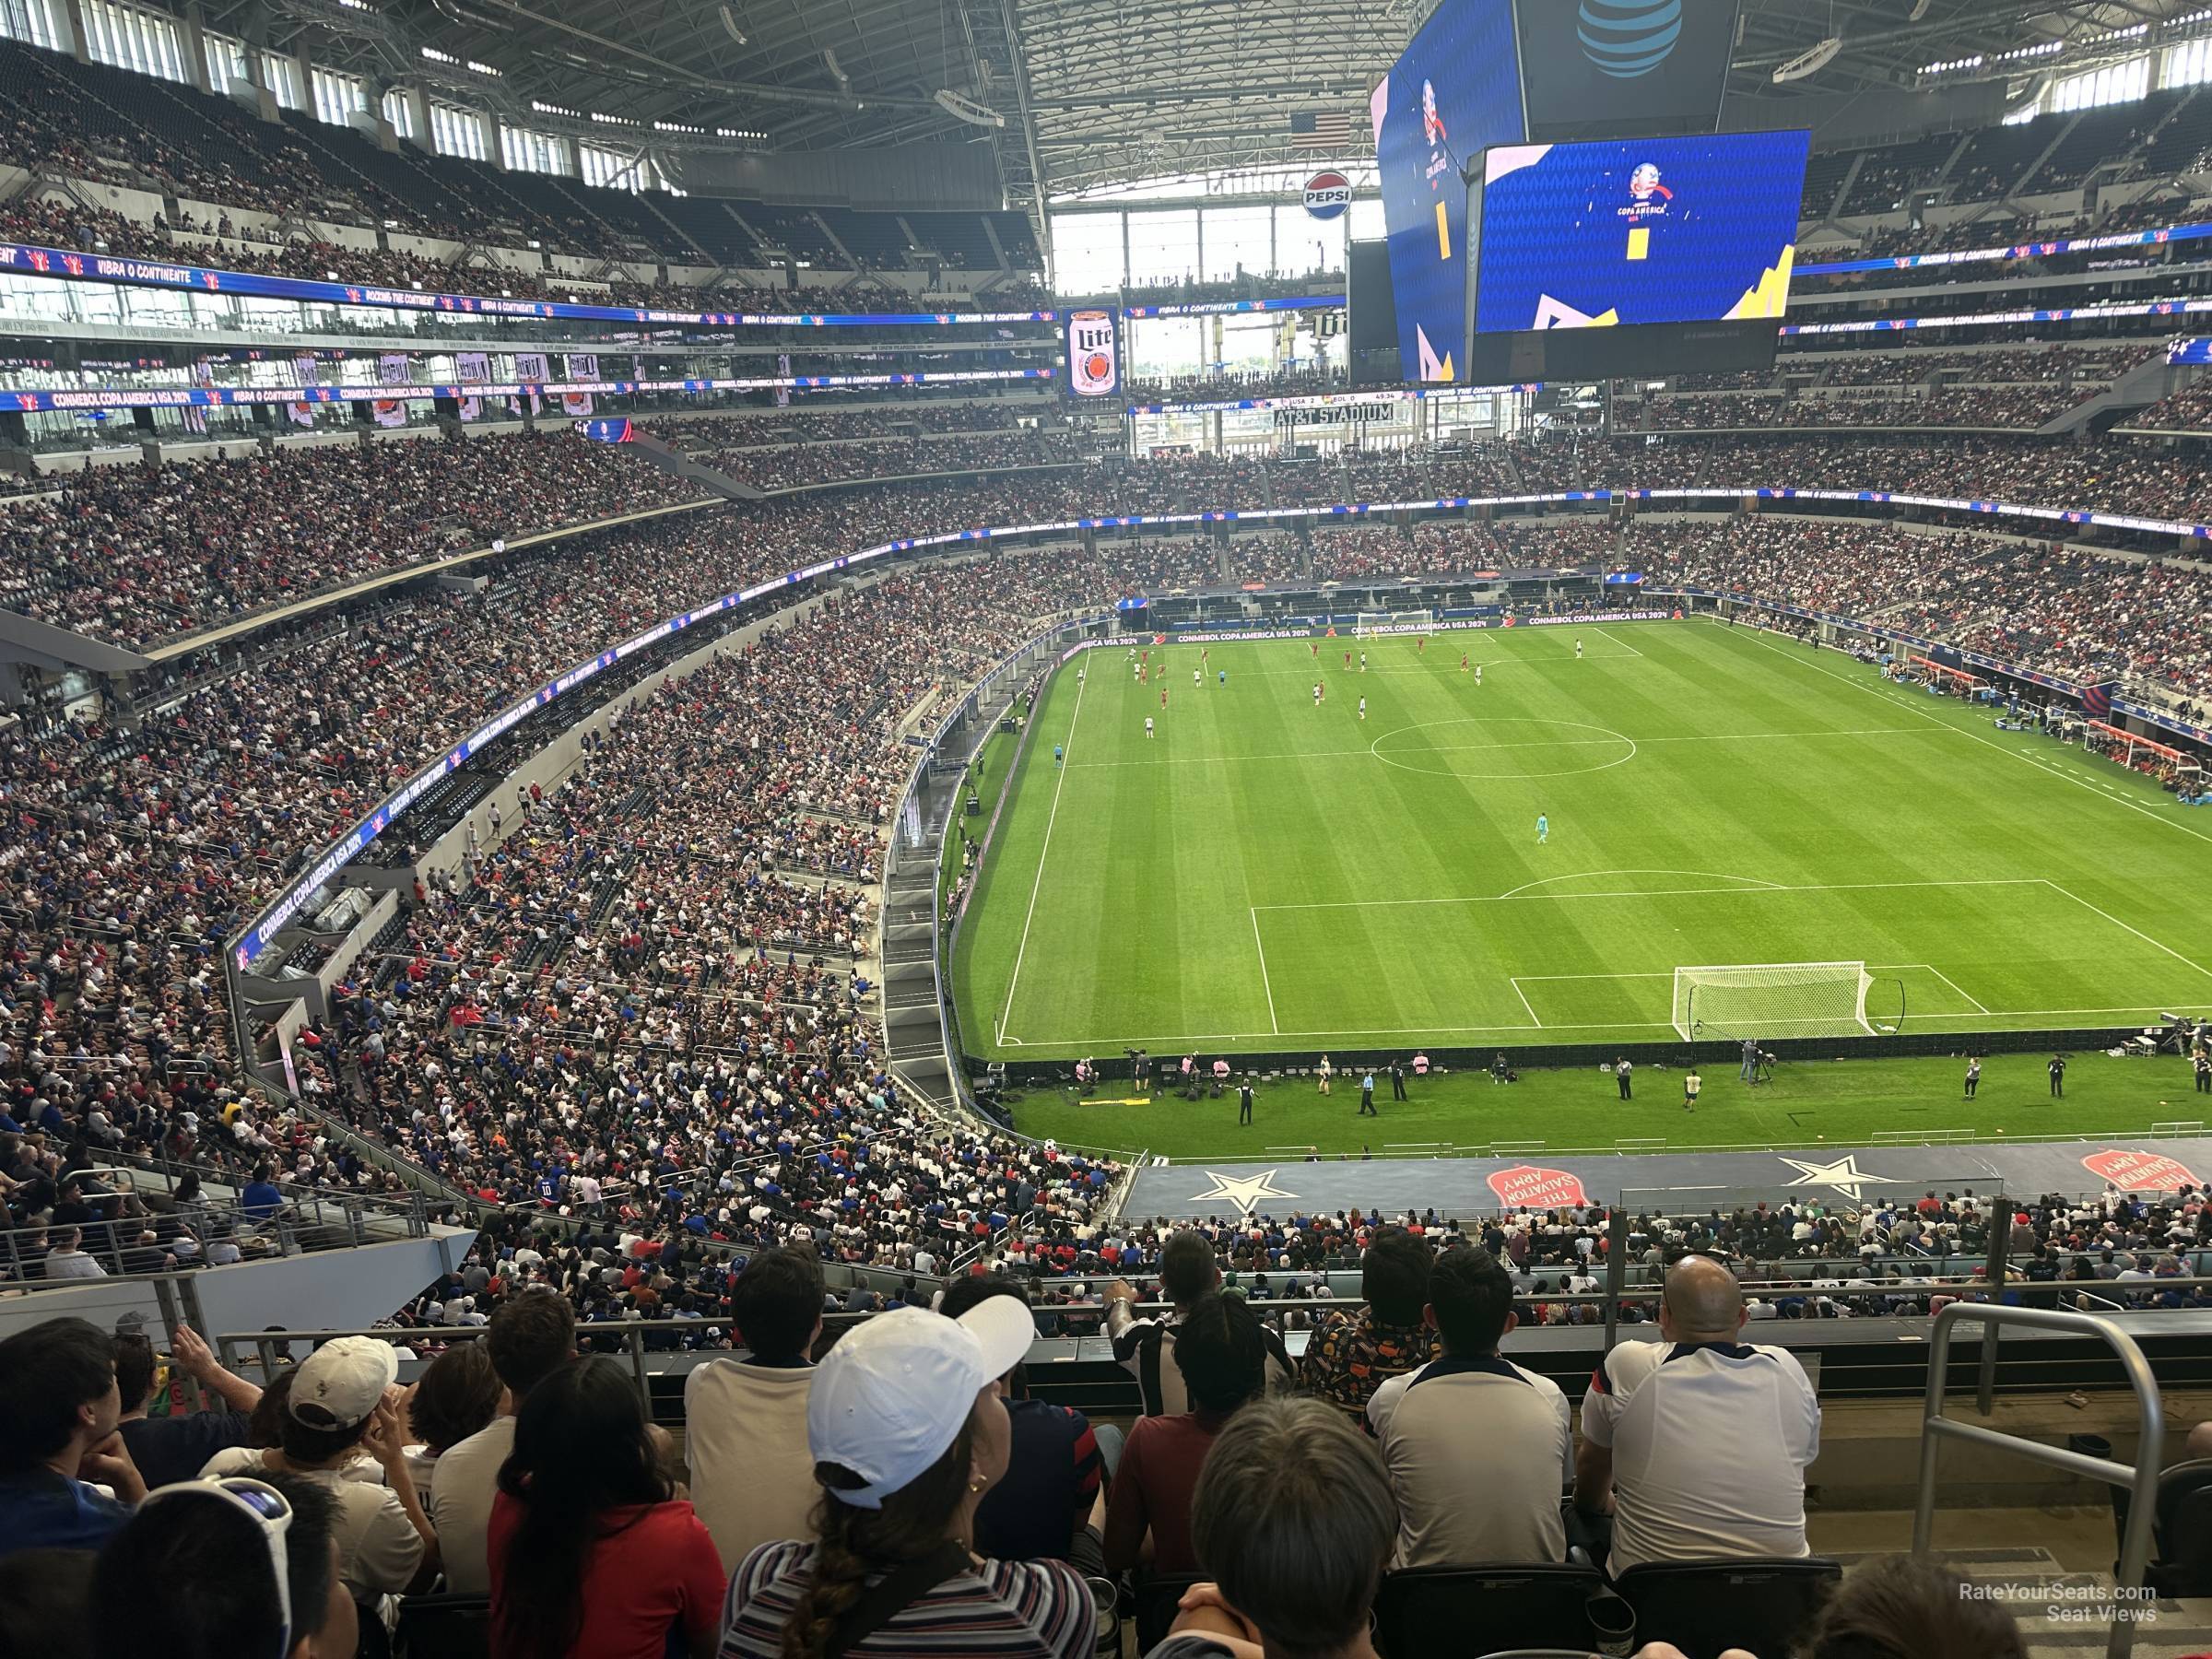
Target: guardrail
[(303, 1224), (2141, 1478)]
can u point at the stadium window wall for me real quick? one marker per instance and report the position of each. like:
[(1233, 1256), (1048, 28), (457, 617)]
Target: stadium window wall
[(1088, 252), (1237, 240), (338, 97), (526, 151), (283, 74), (607, 168), (32, 23), (1163, 246), (126, 37), (458, 132), (2093, 89), (2187, 64), (226, 67), (399, 110)]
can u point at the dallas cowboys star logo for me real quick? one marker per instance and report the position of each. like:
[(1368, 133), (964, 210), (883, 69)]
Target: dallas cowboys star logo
[(1845, 1175), (1244, 1191)]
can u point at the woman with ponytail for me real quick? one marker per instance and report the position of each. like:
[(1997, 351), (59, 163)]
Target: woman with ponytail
[(592, 1554), (908, 1432)]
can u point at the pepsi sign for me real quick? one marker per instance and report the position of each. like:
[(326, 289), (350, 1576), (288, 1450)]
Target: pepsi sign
[(1328, 195)]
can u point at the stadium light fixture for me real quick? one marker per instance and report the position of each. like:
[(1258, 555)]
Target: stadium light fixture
[(1809, 63), (968, 109)]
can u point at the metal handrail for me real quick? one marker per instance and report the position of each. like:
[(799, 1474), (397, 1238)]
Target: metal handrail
[(2141, 1478)]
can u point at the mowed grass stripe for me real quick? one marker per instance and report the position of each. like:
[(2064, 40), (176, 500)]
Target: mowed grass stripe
[(1145, 910)]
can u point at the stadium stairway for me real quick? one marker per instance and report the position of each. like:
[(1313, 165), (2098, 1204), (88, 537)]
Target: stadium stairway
[(675, 461), (2140, 387)]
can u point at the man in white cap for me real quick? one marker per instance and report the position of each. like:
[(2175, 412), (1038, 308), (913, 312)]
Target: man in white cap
[(908, 1432), (337, 1409)]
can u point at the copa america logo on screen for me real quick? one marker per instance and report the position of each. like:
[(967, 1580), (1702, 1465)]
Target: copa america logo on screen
[(1328, 195)]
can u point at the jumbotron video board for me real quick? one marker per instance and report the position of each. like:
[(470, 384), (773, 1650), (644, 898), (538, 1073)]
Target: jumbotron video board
[(1454, 93), (1654, 254)]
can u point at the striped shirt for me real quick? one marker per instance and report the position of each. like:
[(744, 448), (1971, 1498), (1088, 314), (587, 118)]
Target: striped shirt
[(1007, 1609)]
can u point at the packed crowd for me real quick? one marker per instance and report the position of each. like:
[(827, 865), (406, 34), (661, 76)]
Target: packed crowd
[(2082, 616), (2020, 408), (139, 554), (1304, 380), (58, 222), (2187, 410), (1272, 1494), (804, 465), (806, 423)]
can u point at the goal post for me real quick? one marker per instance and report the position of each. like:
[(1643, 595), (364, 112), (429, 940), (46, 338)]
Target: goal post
[(1753, 1001), (1383, 622)]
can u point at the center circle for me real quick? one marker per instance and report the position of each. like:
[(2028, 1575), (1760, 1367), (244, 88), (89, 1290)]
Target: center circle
[(1508, 749)]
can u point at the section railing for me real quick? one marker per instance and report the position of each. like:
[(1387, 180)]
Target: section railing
[(2141, 1478)]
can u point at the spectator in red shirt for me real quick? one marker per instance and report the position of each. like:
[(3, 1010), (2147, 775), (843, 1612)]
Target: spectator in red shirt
[(1222, 1354), (591, 1555)]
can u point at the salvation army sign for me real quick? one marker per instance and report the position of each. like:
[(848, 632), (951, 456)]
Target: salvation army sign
[(1525, 1186), (2133, 1171), (1328, 195)]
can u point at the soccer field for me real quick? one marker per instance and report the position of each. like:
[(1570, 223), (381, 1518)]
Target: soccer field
[(1266, 874)]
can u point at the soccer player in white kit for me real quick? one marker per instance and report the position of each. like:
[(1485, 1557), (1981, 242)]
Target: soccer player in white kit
[(1147, 725), (1363, 708), (1196, 676), (1317, 694), (1578, 651)]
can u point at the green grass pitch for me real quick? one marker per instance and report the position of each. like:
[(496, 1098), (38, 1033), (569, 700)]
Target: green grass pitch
[(1266, 874)]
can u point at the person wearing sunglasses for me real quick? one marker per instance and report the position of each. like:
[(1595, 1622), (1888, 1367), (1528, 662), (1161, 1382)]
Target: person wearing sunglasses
[(335, 1408), (230, 1569)]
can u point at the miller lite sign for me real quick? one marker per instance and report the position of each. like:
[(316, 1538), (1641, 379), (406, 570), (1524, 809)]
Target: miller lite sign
[(1328, 195), (1093, 358)]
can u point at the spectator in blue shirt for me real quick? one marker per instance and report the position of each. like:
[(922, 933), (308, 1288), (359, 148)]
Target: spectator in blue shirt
[(261, 1199), (59, 1411)]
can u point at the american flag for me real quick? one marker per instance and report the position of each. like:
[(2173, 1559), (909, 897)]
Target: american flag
[(1320, 129)]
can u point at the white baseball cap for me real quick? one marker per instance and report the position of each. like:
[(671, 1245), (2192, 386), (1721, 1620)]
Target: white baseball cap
[(342, 1382), (888, 1400)]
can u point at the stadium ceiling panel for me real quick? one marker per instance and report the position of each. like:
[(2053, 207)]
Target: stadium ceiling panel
[(1090, 92)]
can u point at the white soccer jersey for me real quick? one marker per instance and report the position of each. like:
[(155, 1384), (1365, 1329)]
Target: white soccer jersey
[(1710, 1443)]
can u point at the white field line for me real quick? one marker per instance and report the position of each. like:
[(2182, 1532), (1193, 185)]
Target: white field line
[(1815, 887), (1005, 1013), (1612, 1024), (2019, 755), (1525, 1003), (1264, 984), (1953, 984), (1546, 743), (2140, 934)]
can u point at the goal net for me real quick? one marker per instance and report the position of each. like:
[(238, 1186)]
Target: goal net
[(1381, 622), (1752, 1000)]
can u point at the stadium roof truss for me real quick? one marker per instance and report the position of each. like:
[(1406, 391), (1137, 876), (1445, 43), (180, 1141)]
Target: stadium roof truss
[(1089, 92)]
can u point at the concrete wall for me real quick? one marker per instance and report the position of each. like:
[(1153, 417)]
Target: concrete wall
[(330, 1290)]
